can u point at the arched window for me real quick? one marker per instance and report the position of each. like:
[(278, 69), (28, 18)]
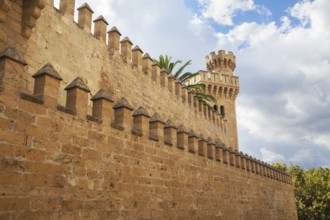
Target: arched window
[(215, 107)]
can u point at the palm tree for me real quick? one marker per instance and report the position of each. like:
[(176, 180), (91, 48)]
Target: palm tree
[(198, 88)]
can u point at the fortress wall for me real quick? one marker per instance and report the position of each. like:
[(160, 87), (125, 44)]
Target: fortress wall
[(58, 40), (61, 158), (55, 165)]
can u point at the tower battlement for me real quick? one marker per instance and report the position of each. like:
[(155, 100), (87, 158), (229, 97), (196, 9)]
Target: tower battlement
[(221, 61)]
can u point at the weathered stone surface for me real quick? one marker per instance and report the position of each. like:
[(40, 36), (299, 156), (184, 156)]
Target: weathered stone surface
[(56, 165)]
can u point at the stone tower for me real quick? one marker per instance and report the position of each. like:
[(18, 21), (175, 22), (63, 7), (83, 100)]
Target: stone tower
[(224, 86)]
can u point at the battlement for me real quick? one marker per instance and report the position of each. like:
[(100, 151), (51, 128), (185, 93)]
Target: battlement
[(120, 114), (91, 128), (221, 61), (136, 66)]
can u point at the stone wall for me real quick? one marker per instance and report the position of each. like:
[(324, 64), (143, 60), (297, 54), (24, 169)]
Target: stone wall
[(58, 165), (58, 40), (64, 156)]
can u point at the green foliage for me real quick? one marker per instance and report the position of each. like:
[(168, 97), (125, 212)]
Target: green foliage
[(312, 191), (281, 166), (165, 63)]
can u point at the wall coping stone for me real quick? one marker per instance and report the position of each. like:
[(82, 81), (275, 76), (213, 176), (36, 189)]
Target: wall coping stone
[(137, 48), (192, 133), (126, 39), (114, 29), (77, 83), (102, 94), (156, 118), (100, 18), (85, 5), (49, 70), (141, 111), (12, 54), (182, 129), (123, 103), (169, 124)]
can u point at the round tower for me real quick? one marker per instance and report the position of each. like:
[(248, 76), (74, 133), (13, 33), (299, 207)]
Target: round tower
[(223, 85), (221, 62)]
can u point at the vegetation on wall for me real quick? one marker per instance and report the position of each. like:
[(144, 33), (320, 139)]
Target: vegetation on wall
[(199, 88), (312, 191)]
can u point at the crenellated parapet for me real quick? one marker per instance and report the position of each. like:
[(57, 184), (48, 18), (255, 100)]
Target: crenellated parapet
[(130, 56), (221, 61), (220, 85), (48, 79), (120, 115)]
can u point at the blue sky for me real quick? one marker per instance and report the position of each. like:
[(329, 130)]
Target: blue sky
[(276, 10), (282, 50)]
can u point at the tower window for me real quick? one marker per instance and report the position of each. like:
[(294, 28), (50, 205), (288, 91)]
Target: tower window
[(222, 111), (215, 107)]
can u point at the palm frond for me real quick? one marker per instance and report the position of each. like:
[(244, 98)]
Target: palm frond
[(178, 73), (199, 87), (172, 65), (207, 97), (186, 76)]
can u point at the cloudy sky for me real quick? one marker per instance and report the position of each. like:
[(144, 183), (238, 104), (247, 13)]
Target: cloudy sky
[(282, 50)]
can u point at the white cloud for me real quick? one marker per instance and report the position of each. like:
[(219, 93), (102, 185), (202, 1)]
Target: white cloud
[(270, 156), (313, 13), (291, 67), (302, 156), (223, 12), (284, 75), (286, 24), (323, 139), (262, 10), (248, 34)]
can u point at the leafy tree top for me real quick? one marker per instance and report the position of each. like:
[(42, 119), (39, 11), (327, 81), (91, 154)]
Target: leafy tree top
[(312, 191)]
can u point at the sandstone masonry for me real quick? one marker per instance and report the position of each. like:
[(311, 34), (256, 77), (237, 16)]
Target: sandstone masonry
[(85, 135)]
